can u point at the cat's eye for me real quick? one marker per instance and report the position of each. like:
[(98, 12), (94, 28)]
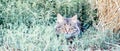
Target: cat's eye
[(70, 24), (74, 29), (71, 28), (65, 24)]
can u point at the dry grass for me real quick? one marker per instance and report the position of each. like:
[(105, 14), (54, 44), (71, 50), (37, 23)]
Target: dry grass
[(109, 15)]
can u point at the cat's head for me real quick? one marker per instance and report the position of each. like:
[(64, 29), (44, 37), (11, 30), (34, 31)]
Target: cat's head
[(68, 26)]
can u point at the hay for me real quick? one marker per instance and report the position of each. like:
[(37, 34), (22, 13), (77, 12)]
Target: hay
[(108, 15)]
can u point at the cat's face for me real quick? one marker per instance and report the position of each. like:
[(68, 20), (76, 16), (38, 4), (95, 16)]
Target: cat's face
[(67, 26)]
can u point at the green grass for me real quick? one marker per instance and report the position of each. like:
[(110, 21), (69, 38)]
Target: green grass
[(28, 25)]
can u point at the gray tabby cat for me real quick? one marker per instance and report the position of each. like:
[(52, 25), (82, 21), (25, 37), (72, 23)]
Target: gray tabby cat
[(69, 26)]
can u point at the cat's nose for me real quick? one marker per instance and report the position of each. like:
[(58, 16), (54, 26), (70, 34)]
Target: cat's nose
[(67, 31)]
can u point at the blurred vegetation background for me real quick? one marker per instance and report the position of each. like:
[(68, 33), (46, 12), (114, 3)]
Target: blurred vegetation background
[(28, 25), (20, 11)]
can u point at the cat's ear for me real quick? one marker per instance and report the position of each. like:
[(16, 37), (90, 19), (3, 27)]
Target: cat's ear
[(59, 18), (74, 18)]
